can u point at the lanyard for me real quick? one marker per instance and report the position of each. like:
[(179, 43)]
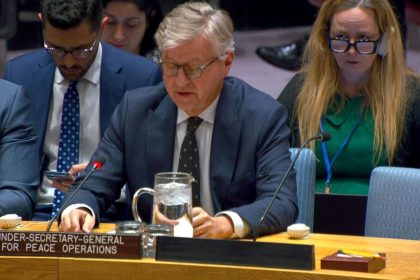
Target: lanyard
[(328, 163)]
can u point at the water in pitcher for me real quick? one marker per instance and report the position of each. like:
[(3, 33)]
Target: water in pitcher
[(173, 200)]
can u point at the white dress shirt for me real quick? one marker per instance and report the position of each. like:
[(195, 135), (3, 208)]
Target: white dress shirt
[(204, 135), (90, 135)]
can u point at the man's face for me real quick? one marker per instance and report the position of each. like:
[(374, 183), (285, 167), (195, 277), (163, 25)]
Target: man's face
[(80, 37), (194, 95)]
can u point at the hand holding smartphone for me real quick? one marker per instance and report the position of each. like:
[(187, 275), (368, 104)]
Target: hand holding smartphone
[(58, 176)]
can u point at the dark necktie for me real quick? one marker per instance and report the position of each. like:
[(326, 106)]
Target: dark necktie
[(68, 148), (189, 159)]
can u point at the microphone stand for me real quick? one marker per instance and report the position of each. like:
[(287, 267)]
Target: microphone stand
[(228, 252), (96, 165), (320, 137)]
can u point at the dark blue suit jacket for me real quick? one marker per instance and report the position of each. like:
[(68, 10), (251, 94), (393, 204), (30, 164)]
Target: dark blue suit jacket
[(120, 71), (249, 153), (19, 160)]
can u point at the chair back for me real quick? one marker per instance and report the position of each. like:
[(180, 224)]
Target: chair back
[(305, 179), (393, 206)]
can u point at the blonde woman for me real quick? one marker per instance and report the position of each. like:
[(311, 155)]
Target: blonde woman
[(355, 85)]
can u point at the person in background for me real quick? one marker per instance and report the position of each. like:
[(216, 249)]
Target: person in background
[(355, 85), (289, 56), (131, 25), (243, 148), (19, 159), (74, 85)]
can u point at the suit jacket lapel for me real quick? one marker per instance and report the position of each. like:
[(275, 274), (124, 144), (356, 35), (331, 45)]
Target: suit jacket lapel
[(112, 86), (42, 82), (160, 137), (225, 144)]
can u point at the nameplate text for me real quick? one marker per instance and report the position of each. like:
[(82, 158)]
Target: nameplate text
[(60, 244)]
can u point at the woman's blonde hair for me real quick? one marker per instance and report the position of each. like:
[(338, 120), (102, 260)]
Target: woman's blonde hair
[(385, 89)]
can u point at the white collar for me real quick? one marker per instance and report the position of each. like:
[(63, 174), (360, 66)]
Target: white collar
[(92, 75), (207, 115)]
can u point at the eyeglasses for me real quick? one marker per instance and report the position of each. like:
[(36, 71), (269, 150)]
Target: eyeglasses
[(76, 53), (192, 72), (362, 46)]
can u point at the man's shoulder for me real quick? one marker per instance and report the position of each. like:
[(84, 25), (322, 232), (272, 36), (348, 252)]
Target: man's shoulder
[(24, 70), (142, 100), (148, 94), (9, 93), (247, 96), (137, 71), (30, 58), (8, 87), (126, 59)]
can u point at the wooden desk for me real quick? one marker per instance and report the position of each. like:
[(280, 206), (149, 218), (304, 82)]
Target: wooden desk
[(403, 262), (45, 268)]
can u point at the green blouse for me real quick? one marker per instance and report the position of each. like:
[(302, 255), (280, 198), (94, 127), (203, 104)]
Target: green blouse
[(352, 167)]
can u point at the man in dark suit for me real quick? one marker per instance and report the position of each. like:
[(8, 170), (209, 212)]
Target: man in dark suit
[(100, 75), (242, 136), (19, 177)]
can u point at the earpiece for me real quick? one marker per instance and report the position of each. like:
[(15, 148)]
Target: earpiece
[(383, 45)]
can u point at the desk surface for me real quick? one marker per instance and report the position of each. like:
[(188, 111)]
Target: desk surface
[(403, 262)]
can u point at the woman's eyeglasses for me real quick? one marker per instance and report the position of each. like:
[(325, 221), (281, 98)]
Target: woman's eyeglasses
[(362, 46)]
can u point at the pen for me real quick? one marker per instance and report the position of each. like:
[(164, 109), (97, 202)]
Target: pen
[(360, 254)]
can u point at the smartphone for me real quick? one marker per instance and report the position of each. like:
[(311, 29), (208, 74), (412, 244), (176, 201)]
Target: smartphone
[(58, 176)]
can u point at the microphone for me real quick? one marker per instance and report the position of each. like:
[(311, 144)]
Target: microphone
[(322, 137), (97, 164)]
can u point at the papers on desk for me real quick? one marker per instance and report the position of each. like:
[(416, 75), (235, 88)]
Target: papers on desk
[(183, 228)]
